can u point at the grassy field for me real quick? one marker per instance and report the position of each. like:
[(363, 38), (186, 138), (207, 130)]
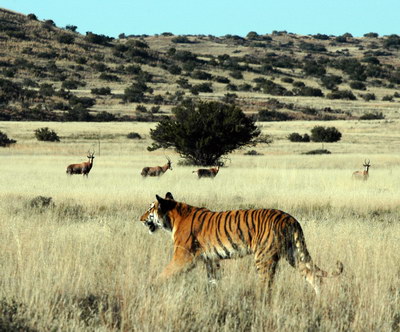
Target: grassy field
[(85, 263)]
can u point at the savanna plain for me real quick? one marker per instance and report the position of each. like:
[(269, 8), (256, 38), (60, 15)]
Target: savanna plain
[(85, 263)]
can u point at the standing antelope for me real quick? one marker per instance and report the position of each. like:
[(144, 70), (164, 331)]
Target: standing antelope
[(82, 168), (362, 175), (207, 172), (157, 170)]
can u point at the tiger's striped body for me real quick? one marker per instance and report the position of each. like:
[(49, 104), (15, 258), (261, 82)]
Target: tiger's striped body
[(268, 234)]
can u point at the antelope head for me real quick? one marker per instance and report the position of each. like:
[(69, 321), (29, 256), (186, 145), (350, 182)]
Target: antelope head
[(367, 164), (169, 163), (90, 156)]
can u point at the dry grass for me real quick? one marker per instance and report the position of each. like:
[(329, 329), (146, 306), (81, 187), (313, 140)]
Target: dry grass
[(85, 263)]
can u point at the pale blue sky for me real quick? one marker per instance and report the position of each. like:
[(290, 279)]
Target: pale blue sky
[(217, 17)]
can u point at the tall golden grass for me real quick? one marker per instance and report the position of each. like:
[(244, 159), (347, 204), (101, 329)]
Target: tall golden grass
[(85, 263)]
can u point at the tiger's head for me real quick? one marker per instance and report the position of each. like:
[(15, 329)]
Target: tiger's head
[(156, 216)]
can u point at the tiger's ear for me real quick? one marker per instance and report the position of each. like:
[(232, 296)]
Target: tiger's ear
[(165, 204), (168, 195)]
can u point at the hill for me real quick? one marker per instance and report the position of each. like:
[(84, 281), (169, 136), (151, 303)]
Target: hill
[(53, 73)]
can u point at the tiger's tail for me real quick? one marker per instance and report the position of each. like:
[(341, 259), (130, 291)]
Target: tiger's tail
[(299, 257)]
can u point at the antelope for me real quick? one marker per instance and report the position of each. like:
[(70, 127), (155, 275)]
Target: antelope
[(157, 170), (82, 168), (207, 172), (362, 175)]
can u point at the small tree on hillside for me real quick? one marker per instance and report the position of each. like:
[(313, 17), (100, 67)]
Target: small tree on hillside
[(46, 134), (325, 134), (204, 132), (5, 141)]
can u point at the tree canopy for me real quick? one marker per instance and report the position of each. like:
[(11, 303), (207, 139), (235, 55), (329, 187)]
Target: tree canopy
[(204, 132)]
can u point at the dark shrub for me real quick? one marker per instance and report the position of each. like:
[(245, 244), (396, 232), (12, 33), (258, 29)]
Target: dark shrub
[(70, 85), (287, 79), (135, 93), (134, 135), (109, 77), (45, 134), (252, 153), (341, 94), (104, 116), (371, 35), (318, 151), (97, 39), (393, 41), (5, 141), (203, 87), (81, 60), (296, 137), (174, 69), (331, 81), (32, 17), (180, 40), (66, 38), (101, 91), (184, 83), (236, 74), (71, 27), (221, 79), (269, 87), (308, 91), (372, 116), (368, 96), (387, 98), (357, 85), (266, 115), (325, 134), (204, 132), (313, 68), (85, 102), (78, 113), (201, 75), (41, 202), (46, 90)]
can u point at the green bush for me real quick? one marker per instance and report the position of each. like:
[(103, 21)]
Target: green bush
[(372, 116), (318, 151), (45, 134), (134, 135), (325, 134), (296, 137), (266, 115), (341, 94), (70, 85), (5, 141), (204, 132), (101, 91), (357, 85), (180, 40), (66, 38), (387, 98), (368, 96)]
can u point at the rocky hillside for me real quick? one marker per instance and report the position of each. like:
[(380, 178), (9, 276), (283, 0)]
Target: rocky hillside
[(54, 73)]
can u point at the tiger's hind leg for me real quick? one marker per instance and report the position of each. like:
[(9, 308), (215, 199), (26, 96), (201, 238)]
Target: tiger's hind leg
[(266, 264)]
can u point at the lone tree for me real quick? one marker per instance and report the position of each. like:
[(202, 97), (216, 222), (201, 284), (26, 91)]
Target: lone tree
[(204, 132)]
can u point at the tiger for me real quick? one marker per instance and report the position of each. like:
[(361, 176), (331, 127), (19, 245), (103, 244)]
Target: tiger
[(268, 234)]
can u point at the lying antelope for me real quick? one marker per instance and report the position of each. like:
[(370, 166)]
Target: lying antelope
[(82, 168), (362, 175), (157, 170), (207, 172)]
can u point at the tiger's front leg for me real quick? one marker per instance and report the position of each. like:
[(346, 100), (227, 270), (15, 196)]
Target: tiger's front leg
[(182, 260), (213, 270)]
